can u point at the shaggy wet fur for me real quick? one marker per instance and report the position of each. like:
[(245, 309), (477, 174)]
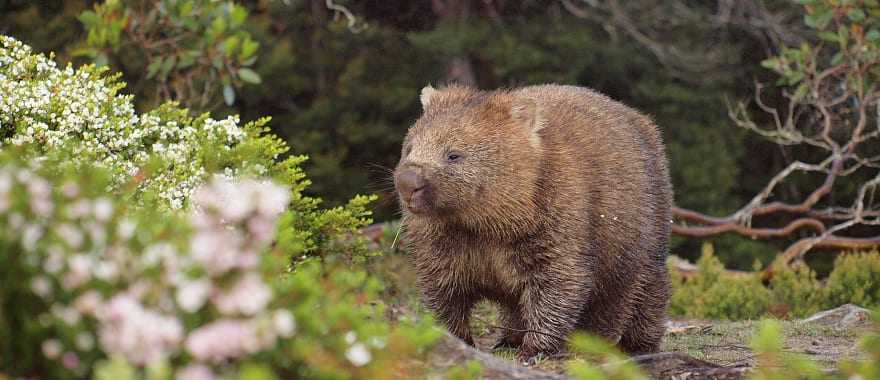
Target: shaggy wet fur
[(552, 201)]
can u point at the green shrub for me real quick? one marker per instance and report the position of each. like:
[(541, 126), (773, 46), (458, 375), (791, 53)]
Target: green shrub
[(711, 294), (854, 279), (796, 292)]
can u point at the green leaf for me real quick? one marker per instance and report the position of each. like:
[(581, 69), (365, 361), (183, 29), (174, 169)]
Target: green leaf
[(218, 26), (89, 19), (237, 16), (820, 18), (228, 94), (248, 48), (829, 36), (856, 15), (188, 58), (249, 75), (186, 8), (252, 371), (159, 371), (229, 45), (837, 59), (117, 368), (800, 92), (167, 66), (770, 63), (873, 35), (153, 67)]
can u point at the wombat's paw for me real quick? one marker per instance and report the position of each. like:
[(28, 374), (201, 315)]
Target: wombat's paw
[(529, 359), (508, 341)]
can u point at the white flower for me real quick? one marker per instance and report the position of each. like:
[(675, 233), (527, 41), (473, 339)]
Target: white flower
[(41, 286), (71, 235), (31, 235), (284, 323), (191, 295), (350, 337), (358, 354), (85, 341), (51, 348), (88, 303), (80, 271), (103, 209)]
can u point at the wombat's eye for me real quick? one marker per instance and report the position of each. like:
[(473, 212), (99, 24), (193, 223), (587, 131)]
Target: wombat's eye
[(454, 157)]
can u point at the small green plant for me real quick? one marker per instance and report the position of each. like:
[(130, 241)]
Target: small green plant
[(854, 279), (601, 360), (469, 371), (795, 292), (712, 294)]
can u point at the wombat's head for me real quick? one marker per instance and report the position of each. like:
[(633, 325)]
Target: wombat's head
[(472, 155)]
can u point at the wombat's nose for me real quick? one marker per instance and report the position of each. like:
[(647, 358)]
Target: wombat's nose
[(409, 180)]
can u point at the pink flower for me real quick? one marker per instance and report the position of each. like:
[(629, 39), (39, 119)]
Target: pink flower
[(195, 372), (70, 360), (80, 271), (216, 250), (141, 335), (224, 339), (249, 296)]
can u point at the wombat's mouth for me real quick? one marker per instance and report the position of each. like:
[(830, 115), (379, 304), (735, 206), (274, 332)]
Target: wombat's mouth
[(416, 202)]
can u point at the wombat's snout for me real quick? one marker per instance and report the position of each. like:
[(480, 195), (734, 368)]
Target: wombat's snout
[(410, 182)]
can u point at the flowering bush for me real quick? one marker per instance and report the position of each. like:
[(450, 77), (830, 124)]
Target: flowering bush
[(165, 153), (122, 257), (83, 108), (88, 278)]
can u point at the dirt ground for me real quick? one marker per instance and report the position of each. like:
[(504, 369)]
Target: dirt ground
[(723, 343)]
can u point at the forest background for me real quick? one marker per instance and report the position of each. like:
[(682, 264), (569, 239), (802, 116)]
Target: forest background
[(342, 87)]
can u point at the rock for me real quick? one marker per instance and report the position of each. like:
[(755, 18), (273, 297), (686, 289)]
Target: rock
[(674, 365), (452, 351), (848, 315)]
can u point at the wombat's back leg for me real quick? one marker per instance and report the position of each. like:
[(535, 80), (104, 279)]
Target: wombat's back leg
[(648, 323), (513, 328)]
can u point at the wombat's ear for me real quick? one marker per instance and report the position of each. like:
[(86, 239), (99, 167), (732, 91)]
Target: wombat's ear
[(427, 93)]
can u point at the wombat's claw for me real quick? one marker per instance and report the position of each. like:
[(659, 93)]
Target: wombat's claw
[(529, 360)]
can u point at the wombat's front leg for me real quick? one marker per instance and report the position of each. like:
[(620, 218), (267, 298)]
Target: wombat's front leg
[(550, 306), (451, 307)]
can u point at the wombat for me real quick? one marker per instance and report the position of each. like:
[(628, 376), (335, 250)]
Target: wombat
[(552, 201)]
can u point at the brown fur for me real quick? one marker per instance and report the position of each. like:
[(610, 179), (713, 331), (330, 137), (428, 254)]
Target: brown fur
[(558, 209)]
